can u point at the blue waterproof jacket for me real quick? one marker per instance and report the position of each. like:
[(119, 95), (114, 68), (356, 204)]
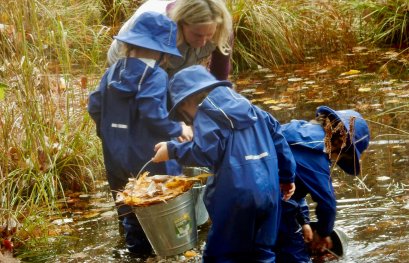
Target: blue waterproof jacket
[(244, 147), (130, 111), (313, 170)]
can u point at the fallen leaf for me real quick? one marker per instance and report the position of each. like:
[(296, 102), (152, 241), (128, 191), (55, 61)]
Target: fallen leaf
[(364, 89), (351, 72), (190, 253)]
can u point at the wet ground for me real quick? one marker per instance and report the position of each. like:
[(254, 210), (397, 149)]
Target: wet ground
[(373, 209)]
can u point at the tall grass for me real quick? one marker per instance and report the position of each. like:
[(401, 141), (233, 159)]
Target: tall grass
[(263, 34), (273, 32), (384, 22), (51, 52)]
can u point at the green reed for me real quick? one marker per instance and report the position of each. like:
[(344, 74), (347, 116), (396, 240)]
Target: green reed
[(52, 52)]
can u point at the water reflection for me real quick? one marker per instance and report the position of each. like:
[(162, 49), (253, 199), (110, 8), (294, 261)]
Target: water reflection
[(373, 209)]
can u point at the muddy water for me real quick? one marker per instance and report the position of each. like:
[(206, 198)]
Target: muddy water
[(373, 209)]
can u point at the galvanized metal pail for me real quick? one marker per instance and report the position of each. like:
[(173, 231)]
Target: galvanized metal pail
[(198, 189), (339, 241), (170, 227), (200, 209)]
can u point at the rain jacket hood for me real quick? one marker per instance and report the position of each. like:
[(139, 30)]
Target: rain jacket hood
[(235, 113)]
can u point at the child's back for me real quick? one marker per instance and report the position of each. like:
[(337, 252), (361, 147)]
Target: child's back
[(244, 147), (130, 111)]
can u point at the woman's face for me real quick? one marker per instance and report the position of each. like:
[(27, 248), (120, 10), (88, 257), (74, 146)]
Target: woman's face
[(197, 35)]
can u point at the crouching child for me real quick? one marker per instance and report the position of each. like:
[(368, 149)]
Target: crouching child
[(333, 137), (250, 158)]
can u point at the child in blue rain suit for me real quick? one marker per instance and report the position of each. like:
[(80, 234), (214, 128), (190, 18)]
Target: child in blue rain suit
[(249, 157), (130, 111), (338, 137)]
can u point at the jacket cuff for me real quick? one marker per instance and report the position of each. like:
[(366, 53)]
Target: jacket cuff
[(171, 150)]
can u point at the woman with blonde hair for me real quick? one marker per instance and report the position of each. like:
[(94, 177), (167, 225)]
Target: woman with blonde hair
[(204, 32)]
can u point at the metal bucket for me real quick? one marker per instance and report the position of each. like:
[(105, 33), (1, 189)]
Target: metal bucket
[(198, 189), (200, 209), (339, 241), (170, 227)]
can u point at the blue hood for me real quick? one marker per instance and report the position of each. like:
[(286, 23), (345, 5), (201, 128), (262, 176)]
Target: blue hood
[(305, 134), (229, 109)]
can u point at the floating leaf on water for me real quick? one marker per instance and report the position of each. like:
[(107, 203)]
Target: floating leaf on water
[(91, 214), (322, 71), (269, 76), (350, 72), (318, 101), (364, 89), (248, 91), (275, 108), (383, 178), (261, 69), (310, 82), (285, 105), (267, 102), (62, 221), (294, 79), (376, 105), (394, 101), (343, 81), (359, 49), (243, 82)]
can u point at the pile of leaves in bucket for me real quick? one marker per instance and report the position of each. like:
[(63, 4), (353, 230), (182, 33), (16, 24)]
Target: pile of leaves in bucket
[(147, 190)]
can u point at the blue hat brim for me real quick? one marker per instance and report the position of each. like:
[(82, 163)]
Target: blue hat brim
[(203, 86), (142, 40)]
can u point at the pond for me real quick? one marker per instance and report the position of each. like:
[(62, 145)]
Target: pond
[(373, 209)]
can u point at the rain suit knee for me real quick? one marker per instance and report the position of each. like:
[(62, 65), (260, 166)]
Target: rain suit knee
[(249, 156)]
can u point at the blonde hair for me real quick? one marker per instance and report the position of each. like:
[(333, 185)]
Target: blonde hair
[(192, 12)]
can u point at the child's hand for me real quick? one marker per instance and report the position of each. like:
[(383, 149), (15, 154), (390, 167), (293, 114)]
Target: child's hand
[(307, 233), (320, 244), (161, 150), (287, 190), (187, 133)]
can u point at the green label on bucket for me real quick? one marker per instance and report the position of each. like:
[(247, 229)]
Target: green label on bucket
[(183, 226)]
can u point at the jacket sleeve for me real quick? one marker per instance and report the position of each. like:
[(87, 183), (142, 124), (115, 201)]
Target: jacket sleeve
[(152, 101), (220, 65), (207, 146), (285, 157), (318, 184), (303, 215), (95, 103)]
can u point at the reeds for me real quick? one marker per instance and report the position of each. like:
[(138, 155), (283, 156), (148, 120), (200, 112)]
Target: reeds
[(273, 32), (385, 22), (51, 52)]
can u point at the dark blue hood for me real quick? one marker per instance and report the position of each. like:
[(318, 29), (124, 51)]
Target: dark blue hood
[(229, 108)]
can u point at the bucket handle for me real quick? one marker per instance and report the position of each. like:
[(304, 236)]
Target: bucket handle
[(143, 168)]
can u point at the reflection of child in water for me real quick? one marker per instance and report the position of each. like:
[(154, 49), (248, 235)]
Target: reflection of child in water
[(332, 137)]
